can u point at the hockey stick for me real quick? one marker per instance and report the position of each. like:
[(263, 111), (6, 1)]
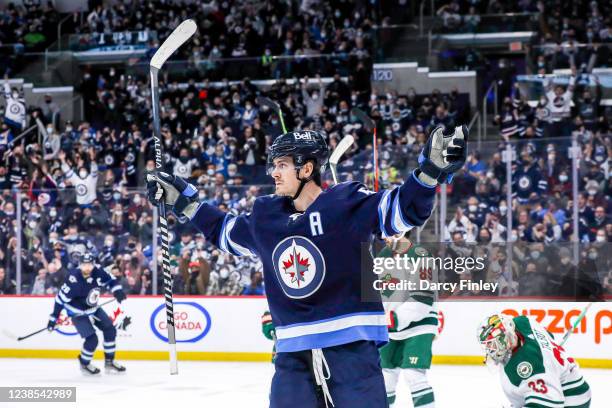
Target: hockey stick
[(275, 107), (178, 37), (341, 148), (576, 323), (370, 126), (13, 337)]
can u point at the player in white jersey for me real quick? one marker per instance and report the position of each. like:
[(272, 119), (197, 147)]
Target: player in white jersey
[(535, 372), (413, 326)]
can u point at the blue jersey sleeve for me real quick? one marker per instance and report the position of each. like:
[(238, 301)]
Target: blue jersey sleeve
[(391, 212), (107, 280), (230, 233)]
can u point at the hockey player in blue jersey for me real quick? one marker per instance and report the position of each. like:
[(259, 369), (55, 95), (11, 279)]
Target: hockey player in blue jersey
[(79, 296), (310, 243)]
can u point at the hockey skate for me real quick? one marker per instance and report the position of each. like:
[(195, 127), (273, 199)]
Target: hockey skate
[(112, 367), (89, 369)]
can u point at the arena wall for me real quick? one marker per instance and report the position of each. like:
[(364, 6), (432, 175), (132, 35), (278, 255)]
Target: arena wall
[(229, 329)]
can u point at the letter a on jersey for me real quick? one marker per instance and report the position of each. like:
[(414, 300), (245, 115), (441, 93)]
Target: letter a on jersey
[(299, 266)]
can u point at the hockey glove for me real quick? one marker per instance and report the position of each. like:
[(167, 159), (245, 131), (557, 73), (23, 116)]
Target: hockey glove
[(119, 295), (267, 327), (175, 191), (444, 154), (52, 322)]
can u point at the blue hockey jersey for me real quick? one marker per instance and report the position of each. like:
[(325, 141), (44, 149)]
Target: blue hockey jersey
[(312, 260), (79, 295)]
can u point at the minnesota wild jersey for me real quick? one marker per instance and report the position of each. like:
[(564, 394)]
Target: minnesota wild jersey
[(416, 311), (539, 374)]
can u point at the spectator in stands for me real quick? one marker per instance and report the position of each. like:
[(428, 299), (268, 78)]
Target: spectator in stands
[(14, 113), (559, 105), (451, 19), (7, 287), (85, 181), (195, 274), (255, 288)]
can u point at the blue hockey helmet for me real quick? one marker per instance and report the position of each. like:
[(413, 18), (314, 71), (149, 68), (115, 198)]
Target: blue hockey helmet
[(87, 258), (302, 146)]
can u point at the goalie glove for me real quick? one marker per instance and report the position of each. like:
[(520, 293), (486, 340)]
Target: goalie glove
[(175, 192), (443, 155)]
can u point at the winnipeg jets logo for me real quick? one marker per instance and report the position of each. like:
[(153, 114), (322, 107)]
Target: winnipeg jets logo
[(93, 296), (81, 190), (524, 183), (296, 266), (299, 266)]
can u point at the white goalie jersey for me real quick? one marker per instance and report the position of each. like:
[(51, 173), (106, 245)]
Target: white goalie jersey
[(539, 374)]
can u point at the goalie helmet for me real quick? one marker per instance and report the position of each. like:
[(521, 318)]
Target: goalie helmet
[(497, 335)]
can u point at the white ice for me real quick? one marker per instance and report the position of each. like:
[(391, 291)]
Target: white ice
[(148, 384)]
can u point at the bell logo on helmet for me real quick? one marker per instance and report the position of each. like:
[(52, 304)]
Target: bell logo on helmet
[(302, 136)]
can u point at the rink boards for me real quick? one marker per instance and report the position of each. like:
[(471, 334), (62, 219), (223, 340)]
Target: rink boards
[(229, 329)]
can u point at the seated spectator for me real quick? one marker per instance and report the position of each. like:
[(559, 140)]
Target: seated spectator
[(255, 288)]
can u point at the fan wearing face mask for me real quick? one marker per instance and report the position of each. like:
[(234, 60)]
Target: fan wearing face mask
[(15, 111), (83, 180)]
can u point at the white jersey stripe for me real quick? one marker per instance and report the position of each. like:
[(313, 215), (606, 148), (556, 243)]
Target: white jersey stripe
[(339, 323)]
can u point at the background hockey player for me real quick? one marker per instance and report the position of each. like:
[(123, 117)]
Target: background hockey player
[(267, 328), (534, 371), (310, 242), (79, 296), (413, 325)]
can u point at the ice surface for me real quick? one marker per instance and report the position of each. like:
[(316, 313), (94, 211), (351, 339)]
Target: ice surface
[(148, 384)]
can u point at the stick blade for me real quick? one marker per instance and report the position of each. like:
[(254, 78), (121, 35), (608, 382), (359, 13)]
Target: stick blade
[(361, 116), (265, 101), (10, 335), (345, 144), (178, 37)]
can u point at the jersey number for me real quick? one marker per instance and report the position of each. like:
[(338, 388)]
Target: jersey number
[(538, 386), (425, 274)]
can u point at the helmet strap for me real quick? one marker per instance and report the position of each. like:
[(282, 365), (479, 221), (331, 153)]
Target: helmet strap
[(303, 182)]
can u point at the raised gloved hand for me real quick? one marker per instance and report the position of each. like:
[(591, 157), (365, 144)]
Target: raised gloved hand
[(444, 154), (175, 192), (52, 322)]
